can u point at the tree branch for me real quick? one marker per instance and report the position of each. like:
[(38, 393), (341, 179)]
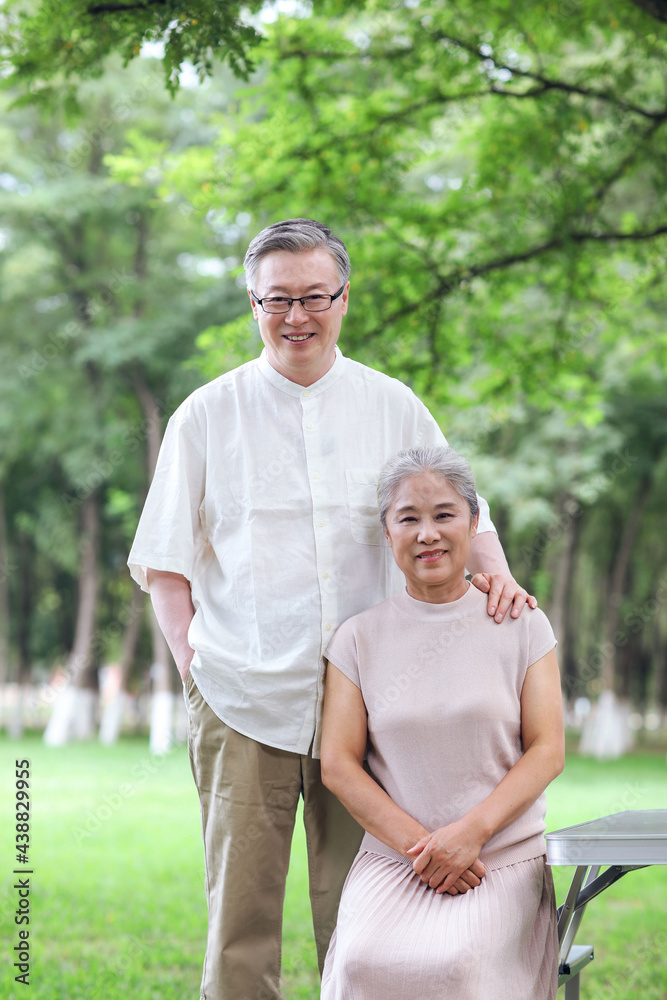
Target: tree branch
[(616, 174), (549, 84), (553, 244), (408, 111), (116, 8), (656, 8), (546, 82), (453, 279)]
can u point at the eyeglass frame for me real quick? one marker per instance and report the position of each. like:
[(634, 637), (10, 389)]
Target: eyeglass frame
[(260, 302)]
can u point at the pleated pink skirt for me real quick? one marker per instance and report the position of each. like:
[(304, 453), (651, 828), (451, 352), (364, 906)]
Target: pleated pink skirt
[(397, 939)]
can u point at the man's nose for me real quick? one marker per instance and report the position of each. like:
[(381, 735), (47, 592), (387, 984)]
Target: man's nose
[(297, 314)]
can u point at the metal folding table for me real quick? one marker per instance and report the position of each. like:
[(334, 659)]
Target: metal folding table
[(620, 843)]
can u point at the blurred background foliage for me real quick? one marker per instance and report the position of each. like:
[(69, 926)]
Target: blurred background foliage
[(498, 175)]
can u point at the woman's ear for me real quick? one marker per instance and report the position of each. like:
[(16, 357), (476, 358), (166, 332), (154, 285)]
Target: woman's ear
[(387, 536), (474, 525)]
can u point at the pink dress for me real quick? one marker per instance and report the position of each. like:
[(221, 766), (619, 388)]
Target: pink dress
[(442, 687)]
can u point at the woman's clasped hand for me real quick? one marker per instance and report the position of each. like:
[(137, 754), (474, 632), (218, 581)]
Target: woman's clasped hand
[(448, 858)]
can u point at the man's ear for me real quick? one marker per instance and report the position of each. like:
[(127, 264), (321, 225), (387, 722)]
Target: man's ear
[(387, 536), (253, 304), (345, 298)]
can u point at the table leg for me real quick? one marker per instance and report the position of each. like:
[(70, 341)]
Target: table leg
[(570, 931), (566, 911), (572, 988)]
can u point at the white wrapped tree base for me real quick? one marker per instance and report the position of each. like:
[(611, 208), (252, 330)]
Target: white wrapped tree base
[(606, 732), (112, 719), (73, 717), (162, 710), (13, 710)]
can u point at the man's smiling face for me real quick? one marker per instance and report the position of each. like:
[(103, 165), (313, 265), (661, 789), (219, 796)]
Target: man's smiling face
[(300, 345)]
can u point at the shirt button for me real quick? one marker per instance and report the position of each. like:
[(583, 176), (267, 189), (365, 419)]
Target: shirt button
[(325, 576), (320, 524), (306, 394), (309, 427), (316, 475), (329, 627)]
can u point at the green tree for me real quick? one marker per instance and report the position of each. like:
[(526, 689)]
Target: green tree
[(50, 47), (102, 302), (499, 184)]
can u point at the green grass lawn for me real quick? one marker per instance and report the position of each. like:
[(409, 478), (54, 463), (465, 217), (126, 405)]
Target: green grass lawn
[(117, 898)]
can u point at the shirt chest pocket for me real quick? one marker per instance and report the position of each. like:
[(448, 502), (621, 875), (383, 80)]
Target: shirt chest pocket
[(362, 499)]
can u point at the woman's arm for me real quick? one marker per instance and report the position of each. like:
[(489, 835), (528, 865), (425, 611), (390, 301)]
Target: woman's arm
[(344, 736), (440, 857)]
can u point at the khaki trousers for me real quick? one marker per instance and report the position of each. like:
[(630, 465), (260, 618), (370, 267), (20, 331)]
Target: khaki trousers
[(249, 794)]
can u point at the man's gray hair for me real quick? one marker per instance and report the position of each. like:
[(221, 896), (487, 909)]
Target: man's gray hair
[(438, 459), (296, 236)]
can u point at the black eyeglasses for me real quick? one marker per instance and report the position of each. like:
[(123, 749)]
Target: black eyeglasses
[(311, 303)]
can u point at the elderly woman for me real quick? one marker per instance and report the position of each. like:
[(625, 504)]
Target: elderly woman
[(460, 719)]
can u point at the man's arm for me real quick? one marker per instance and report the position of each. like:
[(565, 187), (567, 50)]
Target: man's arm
[(172, 602), (491, 575)]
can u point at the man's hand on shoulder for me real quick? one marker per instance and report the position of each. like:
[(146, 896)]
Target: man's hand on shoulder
[(504, 592)]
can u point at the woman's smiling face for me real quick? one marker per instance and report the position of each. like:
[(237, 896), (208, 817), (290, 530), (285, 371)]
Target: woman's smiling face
[(429, 529)]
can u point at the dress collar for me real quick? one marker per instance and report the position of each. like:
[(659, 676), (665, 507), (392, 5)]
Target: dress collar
[(292, 388), (470, 603)]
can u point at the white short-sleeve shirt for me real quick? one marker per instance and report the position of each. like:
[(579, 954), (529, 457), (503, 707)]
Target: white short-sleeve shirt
[(264, 497)]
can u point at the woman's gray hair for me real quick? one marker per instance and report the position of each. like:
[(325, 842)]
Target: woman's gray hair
[(296, 236), (439, 459)]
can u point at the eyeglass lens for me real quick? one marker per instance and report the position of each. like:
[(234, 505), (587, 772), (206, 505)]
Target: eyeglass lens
[(311, 303)]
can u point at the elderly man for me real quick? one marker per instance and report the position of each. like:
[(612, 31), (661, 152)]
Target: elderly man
[(259, 536)]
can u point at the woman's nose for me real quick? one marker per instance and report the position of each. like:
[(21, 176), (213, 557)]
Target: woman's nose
[(428, 531)]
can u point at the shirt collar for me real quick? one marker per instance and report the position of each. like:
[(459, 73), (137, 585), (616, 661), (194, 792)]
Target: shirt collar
[(292, 388)]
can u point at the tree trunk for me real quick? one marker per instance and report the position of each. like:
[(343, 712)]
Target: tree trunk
[(73, 714), (661, 671), (618, 578), (17, 693), (606, 733), (570, 517), (153, 422), (559, 607), (162, 698), (113, 708), (5, 569)]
